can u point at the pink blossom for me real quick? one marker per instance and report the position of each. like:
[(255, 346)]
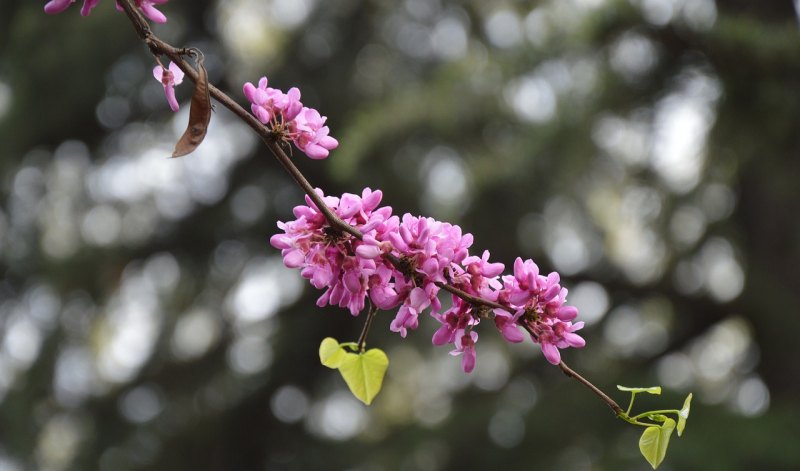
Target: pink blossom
[(480, 277), (334, 262), (507, 325), (540, 303), (286, 116), (481, 266), (551, 352), (54, 7), (150, 11), (524, 284), (264, 100), (372, 248), (290, 105), (381, 290), (455, 319), (311, 136), (169, 78), (447, 332), (465, 345), (408, 315), (558, 335), (430, 247)]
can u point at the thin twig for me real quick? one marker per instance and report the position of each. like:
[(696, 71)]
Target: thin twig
[(362, 339), (603, 396), (334, 220), (472, 299)]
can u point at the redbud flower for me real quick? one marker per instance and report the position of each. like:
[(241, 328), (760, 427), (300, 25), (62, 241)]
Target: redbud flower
[(542, 310), (558, 335), (465, 345), (311, 136), (408, 315), (481, 277), (289, 104), (333, 262), (507, 325), (286, 116), (169, 78), (150, 11), (54, 7), (263, 100), (455, 319)]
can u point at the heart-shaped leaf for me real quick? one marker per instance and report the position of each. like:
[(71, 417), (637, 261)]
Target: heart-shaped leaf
[(364, 373), (651, 390), (654, 442), (684, 414), (331, 353)]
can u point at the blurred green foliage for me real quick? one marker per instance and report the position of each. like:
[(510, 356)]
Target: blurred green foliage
[(646, 150)]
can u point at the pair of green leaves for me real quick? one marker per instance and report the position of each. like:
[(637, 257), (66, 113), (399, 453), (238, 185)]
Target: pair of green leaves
[(655, 439), (363, 371)]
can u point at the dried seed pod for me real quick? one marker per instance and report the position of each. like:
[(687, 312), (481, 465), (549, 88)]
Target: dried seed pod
[(199, 114)]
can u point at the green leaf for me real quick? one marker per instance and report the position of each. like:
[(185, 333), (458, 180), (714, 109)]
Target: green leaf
[(654, 442), (684, 414), (331, 353), (651, 390), (364, 373)]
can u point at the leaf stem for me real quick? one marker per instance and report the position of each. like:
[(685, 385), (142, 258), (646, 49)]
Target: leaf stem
[(633, 421), (652, 412), (350, 345), (630, 406)]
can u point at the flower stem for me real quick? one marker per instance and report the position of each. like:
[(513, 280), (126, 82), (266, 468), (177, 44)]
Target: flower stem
[(362, 339)]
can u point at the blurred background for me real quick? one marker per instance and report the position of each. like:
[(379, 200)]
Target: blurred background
[(648, 150)]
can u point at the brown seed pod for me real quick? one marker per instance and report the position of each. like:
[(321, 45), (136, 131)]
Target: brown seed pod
[(199, 114)]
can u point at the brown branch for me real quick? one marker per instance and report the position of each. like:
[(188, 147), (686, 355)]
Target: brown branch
[(335, 221), (159, 47), (472, 299), (603, 396)]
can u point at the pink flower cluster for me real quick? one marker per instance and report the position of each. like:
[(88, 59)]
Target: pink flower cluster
[(169, 78), (289, 119), (54, 7), (404, 261)]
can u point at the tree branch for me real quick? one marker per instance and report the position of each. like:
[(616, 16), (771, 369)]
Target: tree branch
[(603, 396), (159, 47)]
